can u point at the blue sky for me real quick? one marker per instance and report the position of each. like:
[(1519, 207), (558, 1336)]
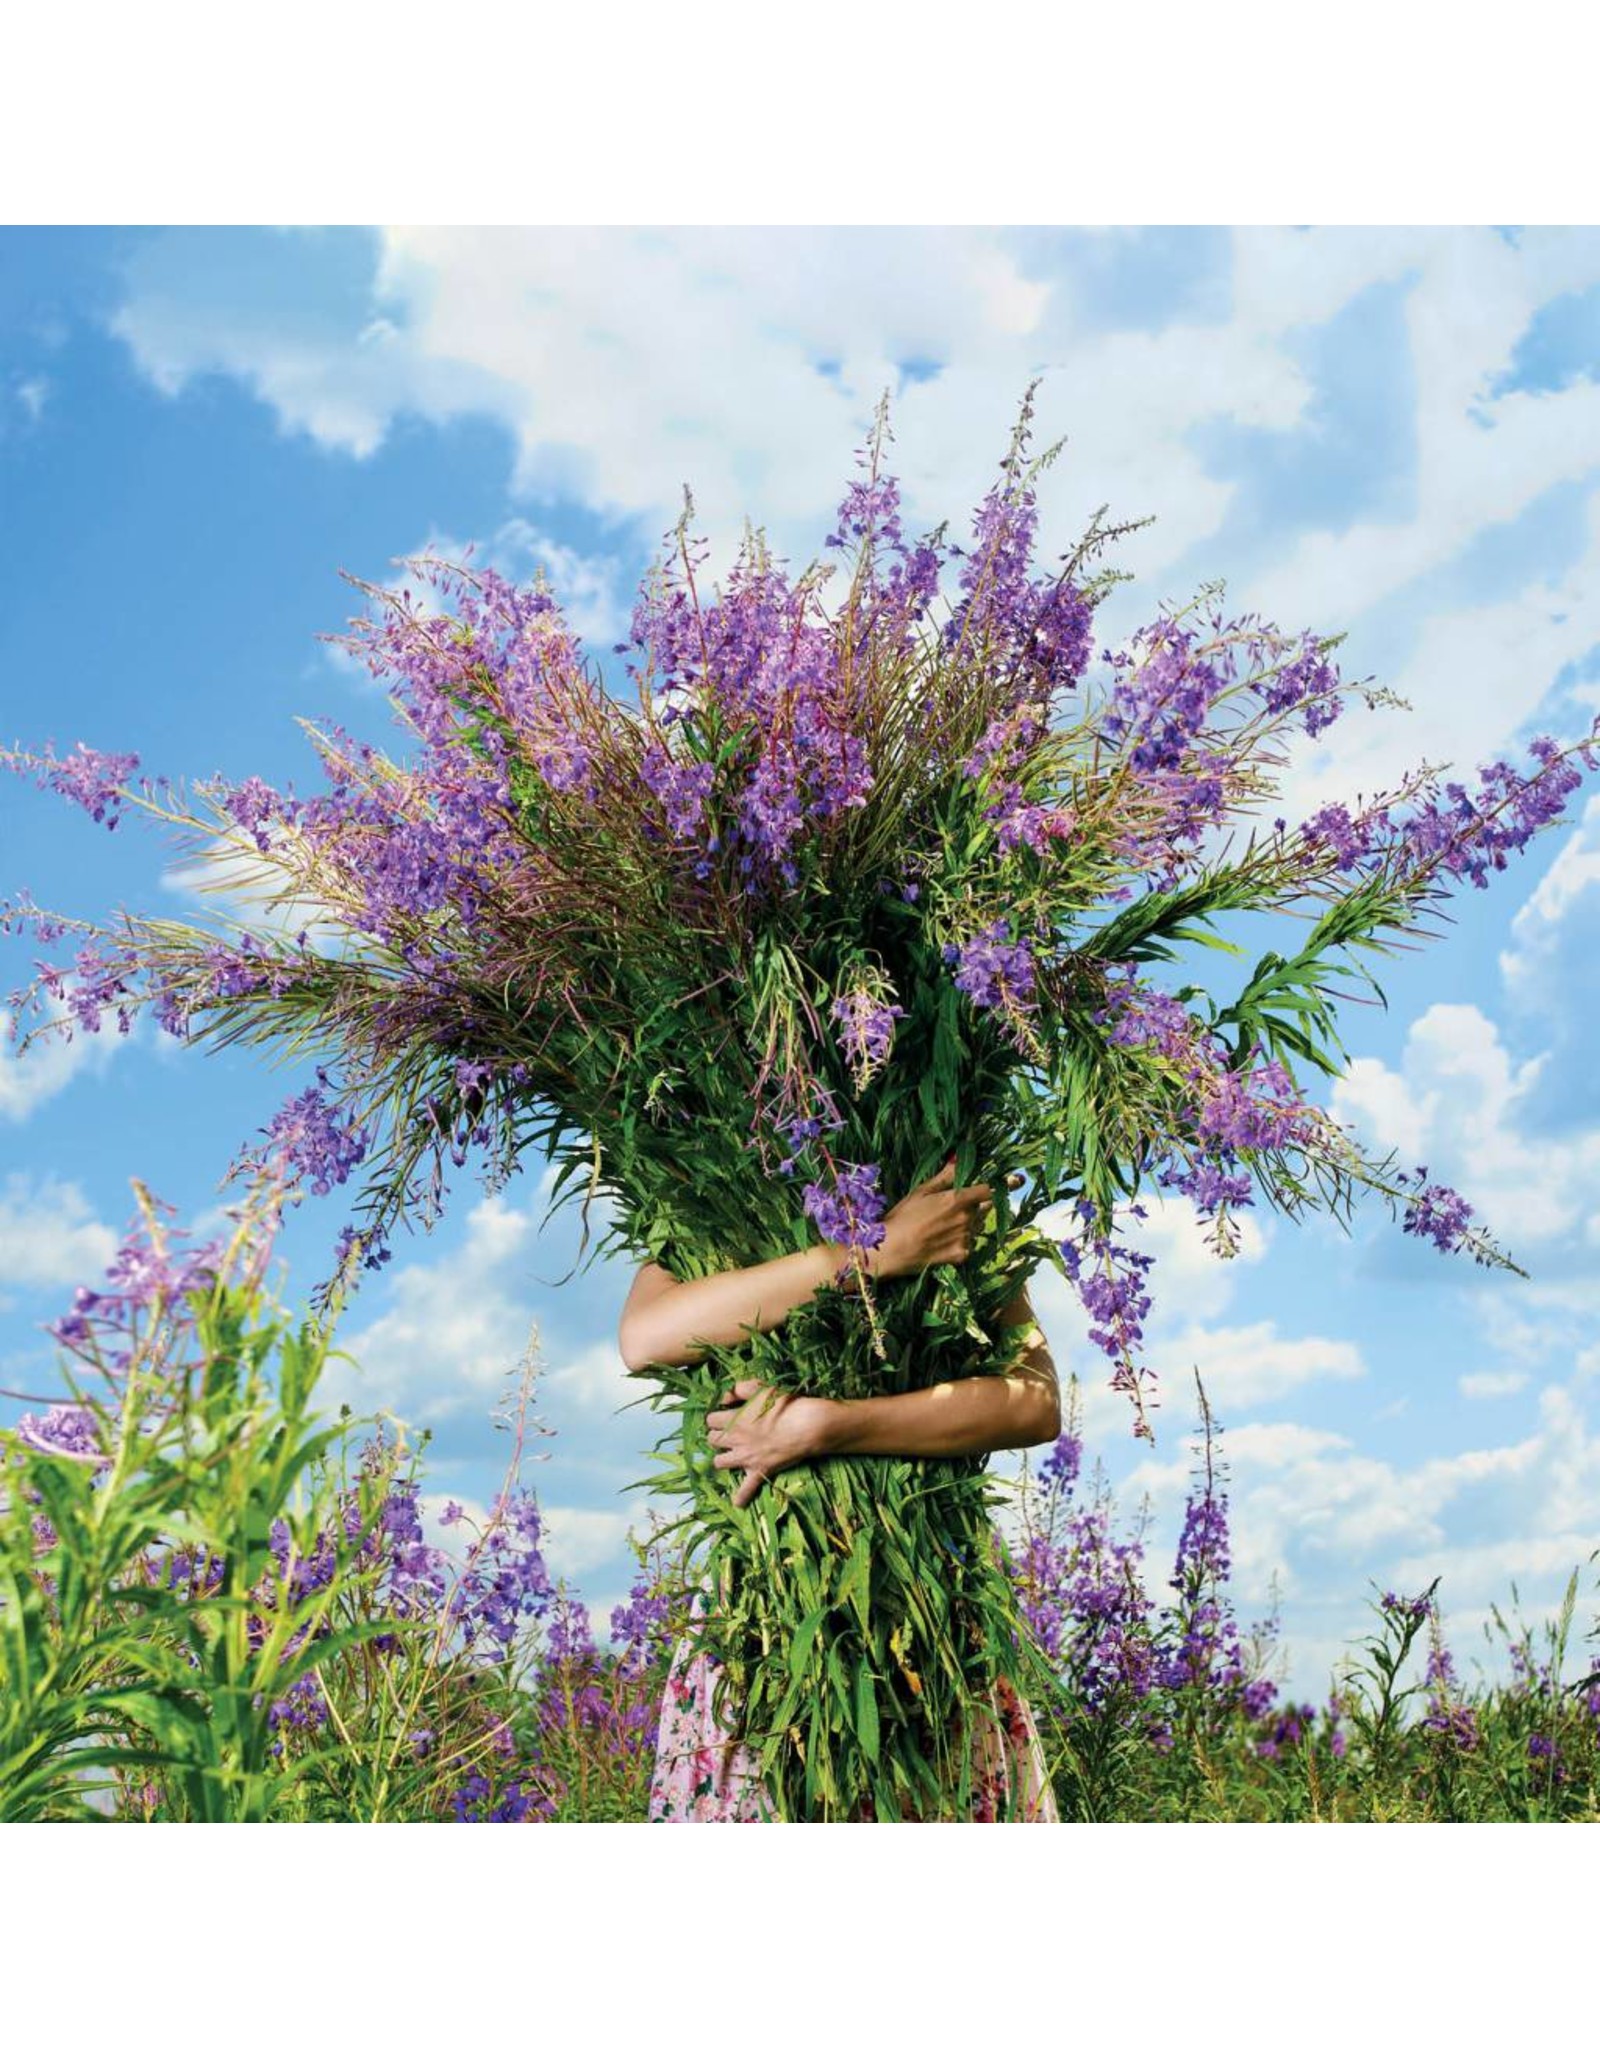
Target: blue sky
[(1389, 431)]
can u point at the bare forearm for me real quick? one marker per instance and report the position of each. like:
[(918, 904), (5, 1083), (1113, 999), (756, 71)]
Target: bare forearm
[(960, 1418), (718, 1308)]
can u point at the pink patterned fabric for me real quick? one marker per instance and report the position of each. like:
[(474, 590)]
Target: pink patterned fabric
[(703, 1771)]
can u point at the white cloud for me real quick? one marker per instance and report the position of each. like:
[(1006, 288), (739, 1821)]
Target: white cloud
[(456, 1329), (1454, 1107), (1477, 674), (52, 1237), (627, 362), (30, 1079), (32, 394), (453, 1333), (1475, 1575), (577, 1540), (1240, 1365), (1471, 297), (1311, 1511), (1525, 1341), (591, 1383), (1539, 929), (1488, 1386)]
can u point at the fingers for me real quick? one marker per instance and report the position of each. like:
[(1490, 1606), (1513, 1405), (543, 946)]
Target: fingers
[(944, 1181), (946, 1175), (748, 1488), (981, 1193)]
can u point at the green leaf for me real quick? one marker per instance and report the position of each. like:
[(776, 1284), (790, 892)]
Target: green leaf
[(804, 1640), (867, 1729)]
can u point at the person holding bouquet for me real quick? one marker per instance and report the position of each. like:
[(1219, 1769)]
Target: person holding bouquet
[(703, 1770)]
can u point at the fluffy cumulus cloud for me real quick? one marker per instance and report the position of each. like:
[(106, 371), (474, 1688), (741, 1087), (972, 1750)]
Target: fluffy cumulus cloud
[(626, 363), (1457, 1103), (581, 1541), (53, 1239), (454, 1330), (1191, 1327), (1487, 1386), (1315, 1516), (30, 1078)]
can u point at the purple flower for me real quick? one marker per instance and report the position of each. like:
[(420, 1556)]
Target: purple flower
[(65, 1431), (1204, 1649), (1058, 1470), (640, 1628), (306, 1138), (1109, 1279), (505, 1580), (866, 1030), (1308, 680), (850, 1212), (1447, 1713), (571, 1638), (1408, 1609), (145, 1272), (681, 786), (1438, 1213), (254, 805), (993, 970), (85, 777)]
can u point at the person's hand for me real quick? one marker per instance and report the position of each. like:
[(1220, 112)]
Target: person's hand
[(935, 1225), (762, 1431)]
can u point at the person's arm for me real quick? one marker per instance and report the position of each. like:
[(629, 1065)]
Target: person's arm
[(667, 1321), (767, 1432), (989, 1412)]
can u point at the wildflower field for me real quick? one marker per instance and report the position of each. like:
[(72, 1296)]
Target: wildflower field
[(218, 1604)]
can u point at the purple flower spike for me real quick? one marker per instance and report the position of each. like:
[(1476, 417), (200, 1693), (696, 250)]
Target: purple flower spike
[(851, 1211)]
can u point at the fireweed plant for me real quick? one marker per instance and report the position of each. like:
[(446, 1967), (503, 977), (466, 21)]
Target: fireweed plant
[(1169, 1708), (215, 1605), (842, 893)]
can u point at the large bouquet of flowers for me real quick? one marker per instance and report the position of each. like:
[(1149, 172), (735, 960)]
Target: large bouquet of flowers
[(842, 892)]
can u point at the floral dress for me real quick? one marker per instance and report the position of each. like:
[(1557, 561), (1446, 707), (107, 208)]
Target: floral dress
[(704, 1772)]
